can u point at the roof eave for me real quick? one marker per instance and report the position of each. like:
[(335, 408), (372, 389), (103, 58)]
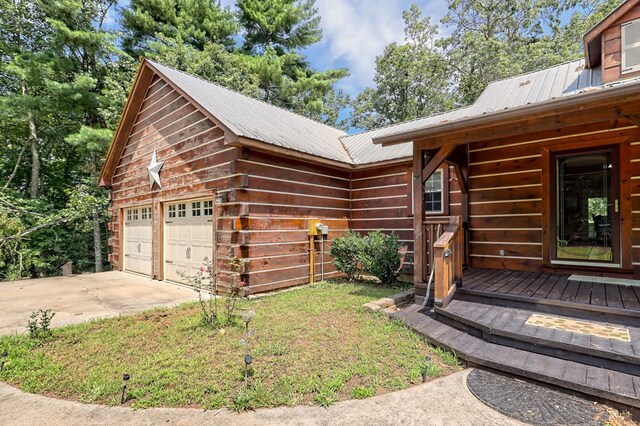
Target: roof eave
[(511, 113)]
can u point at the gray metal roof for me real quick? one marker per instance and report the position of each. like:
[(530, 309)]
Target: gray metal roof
[(258, 120), (535, 87), (254, 119)]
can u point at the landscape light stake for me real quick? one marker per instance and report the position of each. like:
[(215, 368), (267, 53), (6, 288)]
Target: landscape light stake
[(125, 380), (247, 316), (427, 361), (3, 359)]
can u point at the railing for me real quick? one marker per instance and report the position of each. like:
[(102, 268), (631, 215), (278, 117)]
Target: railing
[(448, 257), (432, 228)]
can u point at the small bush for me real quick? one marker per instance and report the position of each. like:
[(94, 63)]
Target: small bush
[(381, 256), (377, 254), (346, 252), (40, 324)]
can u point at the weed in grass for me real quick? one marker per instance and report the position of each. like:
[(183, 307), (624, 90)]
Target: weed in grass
[(325, 397), (362, 392), (39, 325), (449, 358), (394, 383), (433, 370), (242, 400)]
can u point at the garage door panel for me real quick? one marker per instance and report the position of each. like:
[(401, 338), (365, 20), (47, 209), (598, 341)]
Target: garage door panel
[(188, 237), (138, 233)]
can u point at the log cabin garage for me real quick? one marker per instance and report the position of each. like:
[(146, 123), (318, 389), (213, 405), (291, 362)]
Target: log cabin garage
[(198, 171)]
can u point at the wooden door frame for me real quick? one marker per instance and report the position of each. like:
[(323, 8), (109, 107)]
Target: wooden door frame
[(621, 158)]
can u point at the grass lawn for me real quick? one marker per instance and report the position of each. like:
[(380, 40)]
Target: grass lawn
[(312, 345)]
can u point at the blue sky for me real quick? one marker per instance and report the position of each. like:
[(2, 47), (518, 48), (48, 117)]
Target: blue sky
[(356, 31)]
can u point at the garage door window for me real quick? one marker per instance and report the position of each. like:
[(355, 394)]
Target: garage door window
[(195, 209), (135, 214), (172, 210), (208, 208), (182, 210)]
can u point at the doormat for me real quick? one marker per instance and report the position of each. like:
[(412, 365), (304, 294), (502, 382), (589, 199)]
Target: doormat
[(605, 280), (583, 327)]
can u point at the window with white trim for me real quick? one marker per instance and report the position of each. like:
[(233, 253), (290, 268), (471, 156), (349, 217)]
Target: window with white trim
[(172, 210), (433, 193), (135, 214), (630, 46), (182, 210), (144, 213), (129, 215)]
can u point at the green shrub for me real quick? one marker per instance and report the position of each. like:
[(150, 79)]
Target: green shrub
[(381, 256), (346, 252), (377, 254)]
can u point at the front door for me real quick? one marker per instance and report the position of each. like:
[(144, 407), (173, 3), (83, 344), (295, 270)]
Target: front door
[(586, 209)]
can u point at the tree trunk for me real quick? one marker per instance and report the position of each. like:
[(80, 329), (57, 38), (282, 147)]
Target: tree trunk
[(35, 157), (97, 241)]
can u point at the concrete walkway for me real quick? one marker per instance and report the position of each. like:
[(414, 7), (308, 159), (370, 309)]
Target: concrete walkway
[(84, 297), (445, 401)]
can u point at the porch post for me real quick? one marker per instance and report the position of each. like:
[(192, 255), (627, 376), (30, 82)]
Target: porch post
[(418, 214)]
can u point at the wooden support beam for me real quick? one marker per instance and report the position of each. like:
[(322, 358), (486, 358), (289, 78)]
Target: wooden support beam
[(461, 174), (418, 215), (436, 161), (633, 118)]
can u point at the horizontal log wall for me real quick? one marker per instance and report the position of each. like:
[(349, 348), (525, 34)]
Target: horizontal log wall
[(381, 200), (506, 193), (196, 163), (266, 218)]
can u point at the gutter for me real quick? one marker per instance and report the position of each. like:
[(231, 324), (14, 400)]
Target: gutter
[(486, 118)]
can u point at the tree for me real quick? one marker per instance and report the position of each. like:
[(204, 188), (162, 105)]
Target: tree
[(274, 33), (194, 22), (282, 25), (411, 78)]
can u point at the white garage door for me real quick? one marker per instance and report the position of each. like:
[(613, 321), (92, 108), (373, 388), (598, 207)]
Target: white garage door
[(188, 234), (137, 240)]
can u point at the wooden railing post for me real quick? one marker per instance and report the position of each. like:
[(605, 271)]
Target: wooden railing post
[(447, 259)]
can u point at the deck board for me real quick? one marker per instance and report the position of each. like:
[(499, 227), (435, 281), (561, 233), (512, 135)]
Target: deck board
[(553, 287)]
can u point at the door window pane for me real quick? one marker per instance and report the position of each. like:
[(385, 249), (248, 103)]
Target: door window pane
[(585, 207)]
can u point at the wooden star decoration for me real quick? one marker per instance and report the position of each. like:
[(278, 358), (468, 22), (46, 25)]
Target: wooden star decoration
[(154, 170)]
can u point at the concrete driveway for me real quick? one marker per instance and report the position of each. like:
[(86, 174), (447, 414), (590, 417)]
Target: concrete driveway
[(83, 297)]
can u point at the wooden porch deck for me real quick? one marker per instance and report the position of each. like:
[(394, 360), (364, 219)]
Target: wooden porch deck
[(494, 322), (552, 289)]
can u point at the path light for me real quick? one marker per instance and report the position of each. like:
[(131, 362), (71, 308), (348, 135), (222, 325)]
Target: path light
[(125, 380), (247, 362), (247, 316), (3, 359), (427, 362)]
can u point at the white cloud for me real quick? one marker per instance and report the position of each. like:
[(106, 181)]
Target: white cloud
[(356, 31)]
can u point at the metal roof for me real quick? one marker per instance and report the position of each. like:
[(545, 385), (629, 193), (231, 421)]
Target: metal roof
[(258, 120), (560, 81), (254, 119)]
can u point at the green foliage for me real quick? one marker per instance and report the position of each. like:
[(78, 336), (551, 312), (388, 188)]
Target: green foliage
[(449, 358), (376, 253), (362, 392), (381, 256), (39, 325), (485, 40), (346, 252), (195, 22), (412, 79)]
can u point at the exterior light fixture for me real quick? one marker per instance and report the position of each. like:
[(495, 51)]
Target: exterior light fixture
[(427, 362), (3, 359), (125, 380), (221, 197), (247, 316), (447, 253)]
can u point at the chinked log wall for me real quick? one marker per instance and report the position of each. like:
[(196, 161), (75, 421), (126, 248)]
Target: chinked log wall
[(506, 200), (196, 163), (269, 218)]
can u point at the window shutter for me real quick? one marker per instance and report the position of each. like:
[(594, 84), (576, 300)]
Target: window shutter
[(631, 46)]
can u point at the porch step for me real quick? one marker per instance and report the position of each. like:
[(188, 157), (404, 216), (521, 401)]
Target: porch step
[(580, 310), (507, 326), (576, 376)]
